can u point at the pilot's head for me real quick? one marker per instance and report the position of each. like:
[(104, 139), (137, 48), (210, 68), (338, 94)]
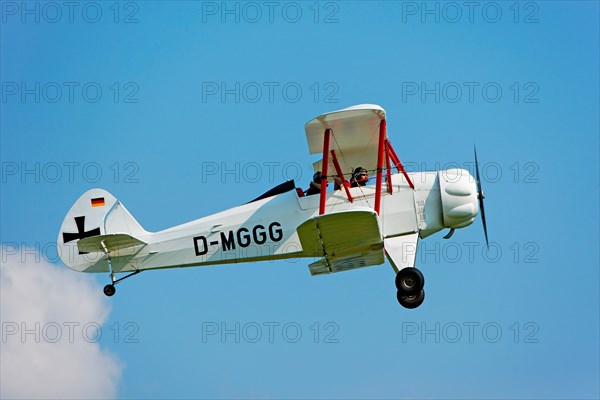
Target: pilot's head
[(360, 176), (317, 177)]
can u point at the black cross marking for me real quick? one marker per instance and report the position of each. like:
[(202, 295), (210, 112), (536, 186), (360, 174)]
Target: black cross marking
[(81, 233)]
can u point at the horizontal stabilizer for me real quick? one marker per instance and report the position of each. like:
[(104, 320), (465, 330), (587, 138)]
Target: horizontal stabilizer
[(108, 243)]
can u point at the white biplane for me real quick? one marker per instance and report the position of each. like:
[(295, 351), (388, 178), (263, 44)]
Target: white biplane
[(341, 228)]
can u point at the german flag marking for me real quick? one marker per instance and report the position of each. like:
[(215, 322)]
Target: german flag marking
[(98, 202)]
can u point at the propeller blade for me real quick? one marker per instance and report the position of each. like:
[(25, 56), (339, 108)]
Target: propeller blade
[(484, 223), (477, 169), (480, 196)]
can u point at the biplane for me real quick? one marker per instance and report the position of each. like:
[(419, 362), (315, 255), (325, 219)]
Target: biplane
[(341, 228)]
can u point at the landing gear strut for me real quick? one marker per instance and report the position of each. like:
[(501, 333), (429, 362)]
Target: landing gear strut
[(410, 282), (110, 289)]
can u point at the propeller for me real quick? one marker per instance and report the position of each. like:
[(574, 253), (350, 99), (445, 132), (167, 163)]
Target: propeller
[(480, 196)]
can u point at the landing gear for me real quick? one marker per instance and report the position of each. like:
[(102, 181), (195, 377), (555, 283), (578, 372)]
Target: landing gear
[(412, 301), (410, 282), (109, 290)]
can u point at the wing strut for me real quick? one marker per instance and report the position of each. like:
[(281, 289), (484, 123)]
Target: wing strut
[(324, 164), (388, 170), (398, 164), (338, 169), (380, 151)]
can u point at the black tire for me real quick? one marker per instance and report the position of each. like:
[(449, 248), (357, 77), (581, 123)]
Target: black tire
[(412, 301), (409, 281), (109, 290)]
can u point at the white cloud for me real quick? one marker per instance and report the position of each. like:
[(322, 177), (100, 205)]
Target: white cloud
[(54, 304)]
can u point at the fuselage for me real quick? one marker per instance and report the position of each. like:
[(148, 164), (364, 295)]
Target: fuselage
[(266, 229)]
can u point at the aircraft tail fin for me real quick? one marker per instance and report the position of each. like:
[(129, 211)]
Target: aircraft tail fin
[(95, 213)]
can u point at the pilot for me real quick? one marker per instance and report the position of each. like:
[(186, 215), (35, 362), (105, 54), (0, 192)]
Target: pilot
[(360, 177), (315, 185)]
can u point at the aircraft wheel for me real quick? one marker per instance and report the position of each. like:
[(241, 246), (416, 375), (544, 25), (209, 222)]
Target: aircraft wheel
[(412, 301), (109, 290), (409, 281)]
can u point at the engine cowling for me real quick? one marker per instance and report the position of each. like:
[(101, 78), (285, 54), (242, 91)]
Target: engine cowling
[(459, 197)]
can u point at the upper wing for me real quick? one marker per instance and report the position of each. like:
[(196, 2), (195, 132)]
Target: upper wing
[(345, 240), (355, 135)]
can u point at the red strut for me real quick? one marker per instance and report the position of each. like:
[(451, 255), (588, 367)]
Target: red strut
[(338, 169), (398, 164), (388, 170), (382, 133), (324, 166)]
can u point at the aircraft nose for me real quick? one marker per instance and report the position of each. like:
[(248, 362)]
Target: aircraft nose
[(459, 198)]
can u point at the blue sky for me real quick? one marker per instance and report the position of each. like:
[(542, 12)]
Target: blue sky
[(188, 108)]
